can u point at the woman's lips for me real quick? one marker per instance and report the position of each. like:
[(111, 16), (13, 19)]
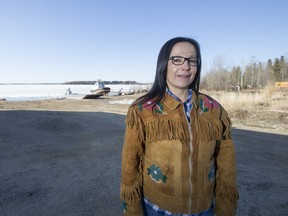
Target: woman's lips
[(184, 76)]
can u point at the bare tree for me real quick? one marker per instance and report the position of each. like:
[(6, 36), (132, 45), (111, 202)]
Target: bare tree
[(254, 75)]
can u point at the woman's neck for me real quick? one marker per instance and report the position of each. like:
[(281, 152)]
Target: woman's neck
[(182, 94)]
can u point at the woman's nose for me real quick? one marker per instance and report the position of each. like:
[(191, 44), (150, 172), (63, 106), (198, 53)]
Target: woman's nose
[(186, 65)]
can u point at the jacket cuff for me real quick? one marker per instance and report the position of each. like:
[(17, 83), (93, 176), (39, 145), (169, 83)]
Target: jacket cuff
[(224, 207), (131, 197), (133, 209), (226, 200)]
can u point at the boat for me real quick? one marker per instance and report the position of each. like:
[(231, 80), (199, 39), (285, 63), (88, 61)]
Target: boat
[(115, 92), (92, 96), (99, 87), (98, 90)]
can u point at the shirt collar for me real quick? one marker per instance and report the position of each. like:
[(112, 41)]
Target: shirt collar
[(178, 99)]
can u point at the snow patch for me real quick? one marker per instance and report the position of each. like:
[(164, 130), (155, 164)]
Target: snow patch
[(125, 101)]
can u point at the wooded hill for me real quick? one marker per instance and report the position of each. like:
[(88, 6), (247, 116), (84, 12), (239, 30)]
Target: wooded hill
[(105, 82), (255, 75)]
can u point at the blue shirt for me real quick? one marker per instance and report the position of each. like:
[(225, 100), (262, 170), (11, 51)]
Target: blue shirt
[(187, 103), (153, 210)]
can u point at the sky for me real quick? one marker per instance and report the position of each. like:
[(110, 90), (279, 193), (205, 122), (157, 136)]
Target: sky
[(55, 41)]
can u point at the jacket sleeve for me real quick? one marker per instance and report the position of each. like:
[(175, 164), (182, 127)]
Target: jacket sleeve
[(131, 182), (226, 192)]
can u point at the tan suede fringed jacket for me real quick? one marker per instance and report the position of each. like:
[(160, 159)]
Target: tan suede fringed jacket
[(179, 166)]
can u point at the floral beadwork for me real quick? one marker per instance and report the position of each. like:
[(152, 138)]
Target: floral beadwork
[(149, 105), (208, 103), (156, 174), (124, 206)]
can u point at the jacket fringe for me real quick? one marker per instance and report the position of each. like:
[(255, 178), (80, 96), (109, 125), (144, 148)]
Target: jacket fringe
[(223, 190), (133, 121), (132, 194), (160, 129), (227, 128), (132, 118), (165, 129)]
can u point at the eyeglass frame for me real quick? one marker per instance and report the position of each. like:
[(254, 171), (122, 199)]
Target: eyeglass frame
[(197, 59)]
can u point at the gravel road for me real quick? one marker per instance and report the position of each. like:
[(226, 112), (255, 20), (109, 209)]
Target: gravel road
[(68, 163)]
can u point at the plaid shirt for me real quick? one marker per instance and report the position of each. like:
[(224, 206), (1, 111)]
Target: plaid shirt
[(160, 212), (187, 104)]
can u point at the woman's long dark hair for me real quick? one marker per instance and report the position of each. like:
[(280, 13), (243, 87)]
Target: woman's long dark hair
[(158, 89)]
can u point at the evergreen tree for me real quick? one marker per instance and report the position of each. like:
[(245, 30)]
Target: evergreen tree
[(283, 68), (277, 70)]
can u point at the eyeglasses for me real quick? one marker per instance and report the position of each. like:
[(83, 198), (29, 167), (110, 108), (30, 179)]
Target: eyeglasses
[(179, 60)]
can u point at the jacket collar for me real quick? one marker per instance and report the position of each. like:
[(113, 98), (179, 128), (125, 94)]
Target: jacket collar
[(195, 99), (172, 103)]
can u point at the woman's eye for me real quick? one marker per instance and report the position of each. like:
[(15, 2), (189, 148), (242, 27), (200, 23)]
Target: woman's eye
[(192, 61), (177, 60)]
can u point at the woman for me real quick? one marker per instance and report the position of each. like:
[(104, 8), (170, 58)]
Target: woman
[(178, 157)]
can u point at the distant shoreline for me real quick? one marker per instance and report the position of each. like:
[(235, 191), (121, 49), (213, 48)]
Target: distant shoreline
[(81, 83), (37, 84)]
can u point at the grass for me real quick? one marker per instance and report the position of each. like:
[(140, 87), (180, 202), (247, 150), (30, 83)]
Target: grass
[(266, 108), (243, 100), (240, 100)]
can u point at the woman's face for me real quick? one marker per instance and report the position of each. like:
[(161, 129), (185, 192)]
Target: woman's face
[(179, 77)]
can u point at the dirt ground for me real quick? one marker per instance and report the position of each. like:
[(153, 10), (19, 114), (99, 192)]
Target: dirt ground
[(272, 117), (58, 157)]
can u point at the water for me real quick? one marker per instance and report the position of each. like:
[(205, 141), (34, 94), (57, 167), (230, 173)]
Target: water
[(27, 92)]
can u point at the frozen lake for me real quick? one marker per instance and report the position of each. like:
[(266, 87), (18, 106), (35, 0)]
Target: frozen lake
[(24, 92)]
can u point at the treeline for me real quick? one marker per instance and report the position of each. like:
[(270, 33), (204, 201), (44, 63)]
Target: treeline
[(255, 75), (105, 82)]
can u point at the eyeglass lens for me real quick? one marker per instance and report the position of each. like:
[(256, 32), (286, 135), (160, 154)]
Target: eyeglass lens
[(179, 60)]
